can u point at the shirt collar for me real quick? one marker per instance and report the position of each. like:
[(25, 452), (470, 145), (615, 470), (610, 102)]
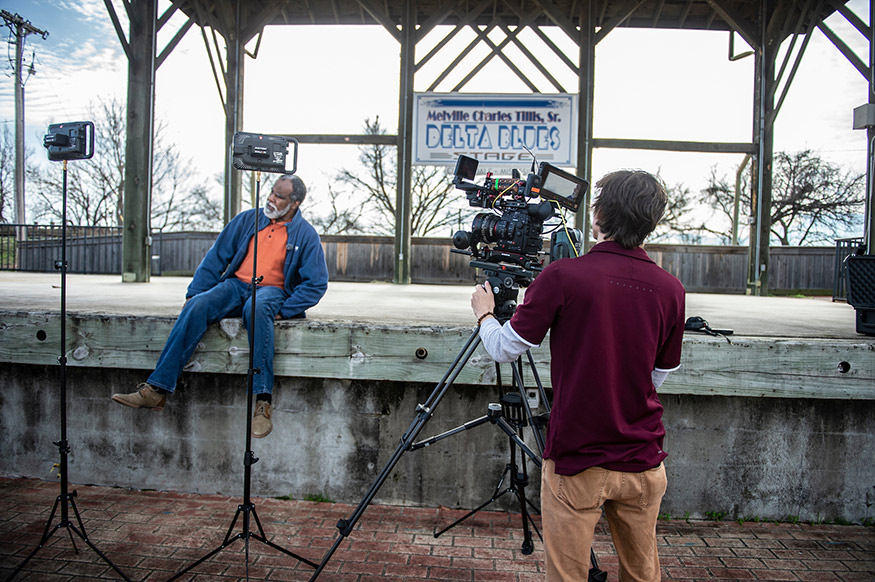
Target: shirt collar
[(616, 248)]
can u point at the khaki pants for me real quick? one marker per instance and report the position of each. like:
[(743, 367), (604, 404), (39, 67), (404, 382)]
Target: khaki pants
[(572, 505)]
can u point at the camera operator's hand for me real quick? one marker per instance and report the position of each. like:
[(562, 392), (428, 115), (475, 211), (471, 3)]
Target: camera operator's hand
[(482, 302)]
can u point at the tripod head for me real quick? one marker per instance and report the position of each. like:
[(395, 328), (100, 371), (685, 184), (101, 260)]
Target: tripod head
[(504, 281)]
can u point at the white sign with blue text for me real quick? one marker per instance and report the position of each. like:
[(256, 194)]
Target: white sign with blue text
[(494, 128)]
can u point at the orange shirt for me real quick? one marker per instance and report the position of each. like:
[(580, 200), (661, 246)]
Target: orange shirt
[(271, 256)]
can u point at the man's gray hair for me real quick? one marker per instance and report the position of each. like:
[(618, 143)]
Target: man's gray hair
[(299, 190)]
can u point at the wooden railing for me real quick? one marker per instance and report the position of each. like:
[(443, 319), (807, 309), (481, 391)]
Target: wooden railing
[(702, 269)]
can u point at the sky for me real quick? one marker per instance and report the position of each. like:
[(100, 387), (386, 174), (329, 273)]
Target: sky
[(650, 84)]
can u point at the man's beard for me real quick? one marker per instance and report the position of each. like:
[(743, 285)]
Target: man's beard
[(272, 212)]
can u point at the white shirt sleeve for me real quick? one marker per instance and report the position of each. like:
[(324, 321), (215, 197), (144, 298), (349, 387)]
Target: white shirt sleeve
[(659, 375), (501, 341)]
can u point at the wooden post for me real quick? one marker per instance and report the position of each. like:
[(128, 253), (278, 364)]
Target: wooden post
[(869, 228), (233, 116), (136, 235), (405, 145), (586, 83), (764, 138)]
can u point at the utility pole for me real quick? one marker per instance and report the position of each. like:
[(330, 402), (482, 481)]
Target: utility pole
[(20, 29)]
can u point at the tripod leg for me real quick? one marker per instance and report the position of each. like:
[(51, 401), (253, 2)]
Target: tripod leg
[(245, 536), (81, 533), (263, 539), (516, 367), (495, 495), (228, 539), (519, 480), (72, 501), (46, 535), (424, 413), (538, 382)]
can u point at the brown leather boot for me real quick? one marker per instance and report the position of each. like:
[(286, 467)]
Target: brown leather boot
[(146, 396), (261, 424)]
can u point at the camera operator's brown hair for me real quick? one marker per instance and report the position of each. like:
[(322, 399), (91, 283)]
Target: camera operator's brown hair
[(629, 205)]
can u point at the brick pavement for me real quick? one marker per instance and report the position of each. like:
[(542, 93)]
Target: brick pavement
[(153, 535)]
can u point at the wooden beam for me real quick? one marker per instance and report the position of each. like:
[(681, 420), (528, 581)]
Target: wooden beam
[(560, 54), (466, 20), (382, 17), (168, 14), (676, 146), (855, 20), (613, 23), (444, 12), (856, 61), (116, 24), (173, 42), (749, 366), (383, 139), (497, 51), (555, 14), (747, 30), (533, 59)]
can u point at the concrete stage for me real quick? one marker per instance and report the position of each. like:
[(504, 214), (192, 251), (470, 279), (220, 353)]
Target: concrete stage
[(413, 305), (776, 423)]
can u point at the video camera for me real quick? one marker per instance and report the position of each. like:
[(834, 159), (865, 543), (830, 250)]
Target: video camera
[(515, 226)]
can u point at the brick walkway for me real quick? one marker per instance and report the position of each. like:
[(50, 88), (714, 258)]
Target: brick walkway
[(153, 535)]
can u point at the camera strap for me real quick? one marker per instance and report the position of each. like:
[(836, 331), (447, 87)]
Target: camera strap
[(697, 323)]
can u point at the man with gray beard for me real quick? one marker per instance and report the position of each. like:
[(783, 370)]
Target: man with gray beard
[(293, 277)]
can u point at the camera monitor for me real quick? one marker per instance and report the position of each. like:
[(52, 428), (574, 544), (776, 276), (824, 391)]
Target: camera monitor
[(73, 140), (264, 153), (466, 168), (566, 189)]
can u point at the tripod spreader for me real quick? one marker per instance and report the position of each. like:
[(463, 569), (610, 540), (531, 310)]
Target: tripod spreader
[(493, 415)]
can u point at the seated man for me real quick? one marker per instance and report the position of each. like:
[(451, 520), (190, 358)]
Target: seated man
[(295, 277)]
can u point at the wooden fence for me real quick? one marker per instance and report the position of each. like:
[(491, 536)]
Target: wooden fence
[(702, 269)]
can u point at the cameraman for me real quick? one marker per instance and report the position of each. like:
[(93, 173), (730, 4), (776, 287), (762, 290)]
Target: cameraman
[(616, 323), (294, 278)]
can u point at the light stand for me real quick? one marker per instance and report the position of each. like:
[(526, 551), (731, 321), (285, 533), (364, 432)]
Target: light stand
[(247, 508), (424, 412), (63, 145)]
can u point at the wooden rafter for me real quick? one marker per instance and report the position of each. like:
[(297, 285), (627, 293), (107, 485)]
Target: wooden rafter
[(743, 27)]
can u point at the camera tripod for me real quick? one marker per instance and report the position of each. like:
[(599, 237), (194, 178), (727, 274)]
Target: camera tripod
[(66, 500), (247, 508), (424, 412), (510, 407)]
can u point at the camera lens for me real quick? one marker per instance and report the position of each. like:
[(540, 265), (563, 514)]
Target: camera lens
[(491, 228)]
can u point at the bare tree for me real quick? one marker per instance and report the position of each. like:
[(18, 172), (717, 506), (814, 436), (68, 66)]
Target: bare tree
[(7, 174), (199, 209), (434, 201), (678, 220), (813, 200), (95, 187), (340, 219)]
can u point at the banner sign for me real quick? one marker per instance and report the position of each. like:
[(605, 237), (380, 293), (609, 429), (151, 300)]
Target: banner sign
[(495, 129)]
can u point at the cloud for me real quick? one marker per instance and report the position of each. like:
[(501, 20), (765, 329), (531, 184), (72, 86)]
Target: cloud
[(92, 11)]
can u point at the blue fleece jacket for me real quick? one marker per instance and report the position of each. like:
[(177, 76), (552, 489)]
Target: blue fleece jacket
[(306, 274)]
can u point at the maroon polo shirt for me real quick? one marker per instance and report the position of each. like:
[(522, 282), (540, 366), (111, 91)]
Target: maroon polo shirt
[(613, 316)]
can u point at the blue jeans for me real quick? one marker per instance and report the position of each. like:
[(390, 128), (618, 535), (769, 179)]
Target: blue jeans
[(230, 298)]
